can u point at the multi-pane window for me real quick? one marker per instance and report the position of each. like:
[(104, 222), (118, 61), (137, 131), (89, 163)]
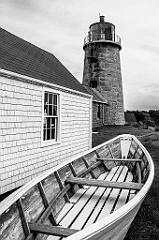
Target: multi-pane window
[(51, 117)]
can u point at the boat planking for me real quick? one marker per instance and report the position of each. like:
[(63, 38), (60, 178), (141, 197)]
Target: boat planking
[(95, 195)]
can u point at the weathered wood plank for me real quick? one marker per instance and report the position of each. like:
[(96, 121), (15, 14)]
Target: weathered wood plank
[(84, 215), (23, 218), (80, 198), (105, 184), (68, 206), (87, 166), (46, 203), (72, 214), (72, 169), (51, 230), (77, 195), (123, 194), (138, 172), (82, 204), (61, 185), (134, 148), (113, 175), (110, 151), (93, 166), (48, 209), (64, 211), (98, 156), (143, 168), (110, 202), (120, 159)]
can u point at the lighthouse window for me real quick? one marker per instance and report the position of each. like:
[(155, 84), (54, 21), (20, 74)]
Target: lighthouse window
[(108, 34), (93, 84), (50, 131)]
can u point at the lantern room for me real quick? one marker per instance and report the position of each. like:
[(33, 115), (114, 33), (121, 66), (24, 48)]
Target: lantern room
[(102, 31)]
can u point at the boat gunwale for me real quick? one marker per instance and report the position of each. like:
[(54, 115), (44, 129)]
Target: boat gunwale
[(105, 222), (109, 220), (12, 198)]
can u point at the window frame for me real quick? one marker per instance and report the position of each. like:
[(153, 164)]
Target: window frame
[(58, 129)]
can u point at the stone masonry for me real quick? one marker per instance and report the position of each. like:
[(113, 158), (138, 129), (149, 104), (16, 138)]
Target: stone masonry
[(105, 73)]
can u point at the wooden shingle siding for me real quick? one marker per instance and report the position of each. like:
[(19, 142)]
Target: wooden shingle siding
[(22, 156)]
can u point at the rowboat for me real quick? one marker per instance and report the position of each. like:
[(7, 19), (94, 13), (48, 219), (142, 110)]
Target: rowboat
[(95, 195)]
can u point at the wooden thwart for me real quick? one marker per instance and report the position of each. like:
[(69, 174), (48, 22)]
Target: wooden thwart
[(120, 159), (106, 184), (51, 230)]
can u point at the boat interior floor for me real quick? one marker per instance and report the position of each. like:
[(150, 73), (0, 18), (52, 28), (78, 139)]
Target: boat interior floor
[(92, 203)]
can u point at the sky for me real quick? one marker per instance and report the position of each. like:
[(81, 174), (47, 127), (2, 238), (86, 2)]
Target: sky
[(59, 27)]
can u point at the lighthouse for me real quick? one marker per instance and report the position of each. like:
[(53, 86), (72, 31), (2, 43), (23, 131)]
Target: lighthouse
[(102, 69)]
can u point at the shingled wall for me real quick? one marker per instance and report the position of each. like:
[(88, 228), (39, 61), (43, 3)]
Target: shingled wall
[(22, 155)]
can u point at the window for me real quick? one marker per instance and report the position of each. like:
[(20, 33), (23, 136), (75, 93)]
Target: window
[(98, 111), (50, 131), (93, 84)]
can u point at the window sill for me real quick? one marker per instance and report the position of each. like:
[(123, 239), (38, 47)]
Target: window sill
[(49, 143)]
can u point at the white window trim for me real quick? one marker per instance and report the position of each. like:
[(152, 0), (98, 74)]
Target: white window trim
[(52, 141)]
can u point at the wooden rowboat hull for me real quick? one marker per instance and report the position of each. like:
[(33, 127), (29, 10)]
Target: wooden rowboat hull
[(44, 200)]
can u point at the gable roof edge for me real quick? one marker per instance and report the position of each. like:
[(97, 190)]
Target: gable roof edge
[(98, 101), (21, 77)]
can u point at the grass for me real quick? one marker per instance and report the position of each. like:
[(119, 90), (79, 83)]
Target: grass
[(105, 133), (146, 224)]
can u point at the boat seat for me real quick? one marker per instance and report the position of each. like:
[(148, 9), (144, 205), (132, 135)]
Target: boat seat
[(52, 230), (105, 184), (120, 159), (90, 204)]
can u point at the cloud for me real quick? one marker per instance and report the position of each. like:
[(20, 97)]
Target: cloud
[(151, 48), (60, 27), (152, 86), (18, 5)]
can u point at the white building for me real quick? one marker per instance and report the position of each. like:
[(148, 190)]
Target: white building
[(45, 113)]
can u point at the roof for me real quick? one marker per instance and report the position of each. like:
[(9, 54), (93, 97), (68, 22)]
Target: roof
[(130, 117), (22, 57), (97, 96)]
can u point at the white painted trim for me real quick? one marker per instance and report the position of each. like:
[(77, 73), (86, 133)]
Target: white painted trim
[(13, 75), (104, 103), (51, 142)]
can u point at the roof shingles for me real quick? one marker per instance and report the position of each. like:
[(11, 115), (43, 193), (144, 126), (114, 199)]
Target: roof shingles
[(20, 56)]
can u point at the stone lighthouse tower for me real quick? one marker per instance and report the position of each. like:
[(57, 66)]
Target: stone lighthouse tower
[(102, 69)]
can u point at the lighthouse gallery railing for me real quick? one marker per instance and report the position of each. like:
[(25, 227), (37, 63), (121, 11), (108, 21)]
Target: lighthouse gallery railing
[(99, 37)]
